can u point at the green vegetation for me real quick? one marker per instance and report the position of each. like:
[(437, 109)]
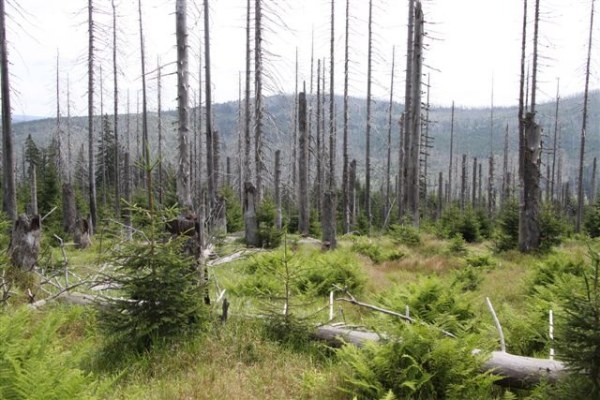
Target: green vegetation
[(152, 337)]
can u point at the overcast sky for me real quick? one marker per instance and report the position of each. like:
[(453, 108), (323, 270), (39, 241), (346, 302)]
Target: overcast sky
[(470, 44)]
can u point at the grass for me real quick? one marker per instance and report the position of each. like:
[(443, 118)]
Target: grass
[(236, 361)]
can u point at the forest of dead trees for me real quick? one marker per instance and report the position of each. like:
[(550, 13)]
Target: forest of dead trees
[(310, 179)]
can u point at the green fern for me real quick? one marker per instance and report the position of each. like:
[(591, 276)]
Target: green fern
[(36, 362)]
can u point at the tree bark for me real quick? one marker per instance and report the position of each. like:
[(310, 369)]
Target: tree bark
[(210, 142), (69, 208), (580, 191), (250, 222), (303, 168), (9, 193), (328, 220), (116, 115), (345, 166), (25, 242), (184, 195), (91, 163)]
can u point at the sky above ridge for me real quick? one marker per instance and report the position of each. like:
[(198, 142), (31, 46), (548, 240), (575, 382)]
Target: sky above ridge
[(472, 50)]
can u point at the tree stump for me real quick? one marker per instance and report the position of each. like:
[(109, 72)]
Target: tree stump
[(81, 234), (25, 242)]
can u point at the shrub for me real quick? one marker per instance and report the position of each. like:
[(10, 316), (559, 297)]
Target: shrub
[(313, 273), (161, 295), (465, 223), (579, 343), (235, 215), (507, 236), (553, 227), (457, 245), (405, 234), (591, 221), (268, 235)]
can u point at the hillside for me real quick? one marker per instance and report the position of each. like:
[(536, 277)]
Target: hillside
[(474, 134)]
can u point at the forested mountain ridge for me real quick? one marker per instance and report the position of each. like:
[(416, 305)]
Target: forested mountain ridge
[(477, 131)]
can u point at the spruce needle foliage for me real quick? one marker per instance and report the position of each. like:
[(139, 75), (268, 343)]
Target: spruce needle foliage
[(580, 334), (161, 293)]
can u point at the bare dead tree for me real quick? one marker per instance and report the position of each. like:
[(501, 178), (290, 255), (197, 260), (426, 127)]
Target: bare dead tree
[(247, 114), (303, 191), (332, 125), (407, 106), (116, 112), (210, 145), (580, 193), (414, 135), (388, 170), (529, 153), (555, 142), (91, 166), (258, 97), (184, 195), (345, 166), (145, 140), (9, 192), (160, 131), (368, 211), (449, 196)]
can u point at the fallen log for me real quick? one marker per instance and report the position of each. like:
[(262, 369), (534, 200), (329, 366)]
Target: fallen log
[(514, 371), (524, 372)]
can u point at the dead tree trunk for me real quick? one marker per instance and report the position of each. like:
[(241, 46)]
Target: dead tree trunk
[(33, 179), (352, 192), (91, 163), (474, 184), (449, 195), (345, 161), (258, 96), (580, 192), (278, 189), (368, 210), (303, 195), (9, 193), (117, 151), (529, 156), (184, 195), (463, 182), (555, 144), (250, 222), (593, 183), (145, 139), (210, 145), (69, 208), (25, 242), (328, 220)]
